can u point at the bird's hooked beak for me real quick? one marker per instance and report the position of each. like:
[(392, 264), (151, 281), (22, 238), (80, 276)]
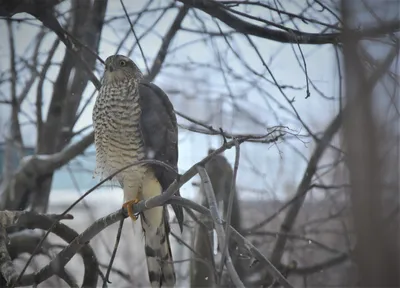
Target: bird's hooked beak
[(112, 74), (109, 68)]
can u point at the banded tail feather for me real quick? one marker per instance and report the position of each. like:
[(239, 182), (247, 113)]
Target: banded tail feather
[(158, 252)]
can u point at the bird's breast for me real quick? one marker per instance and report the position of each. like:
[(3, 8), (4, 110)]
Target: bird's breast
[(118, 139)]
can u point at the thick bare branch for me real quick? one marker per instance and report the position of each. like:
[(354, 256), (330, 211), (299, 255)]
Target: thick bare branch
[(32, 220), (80, 241), (34, 167), (217, 10)]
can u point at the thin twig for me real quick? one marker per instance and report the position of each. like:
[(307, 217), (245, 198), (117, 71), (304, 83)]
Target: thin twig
[(303, 187), (261, 138), (123, 40), (230, 206), (137, 40), (162, 53), (275, 214), (106, 278), (200, 257), (305, 71), (316, 268), (121, 273), (240, 240)]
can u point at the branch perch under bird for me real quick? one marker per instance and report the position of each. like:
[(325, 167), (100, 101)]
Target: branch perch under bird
[(79, 242), (164, 196)]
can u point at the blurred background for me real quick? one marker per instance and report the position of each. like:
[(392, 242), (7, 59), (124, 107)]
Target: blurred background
[(314, 83)]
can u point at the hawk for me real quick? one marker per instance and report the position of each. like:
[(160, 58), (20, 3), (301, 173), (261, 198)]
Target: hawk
[(133, 120)]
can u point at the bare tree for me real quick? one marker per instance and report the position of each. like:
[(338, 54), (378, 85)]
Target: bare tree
[(221, 64)]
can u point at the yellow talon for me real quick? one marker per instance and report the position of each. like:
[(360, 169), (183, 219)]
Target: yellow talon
[(128, 206)]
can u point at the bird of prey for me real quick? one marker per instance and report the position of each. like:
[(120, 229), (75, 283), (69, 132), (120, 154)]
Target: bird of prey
[(134, 120)]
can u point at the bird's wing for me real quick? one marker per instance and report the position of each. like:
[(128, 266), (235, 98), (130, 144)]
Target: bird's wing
[(160, 134)]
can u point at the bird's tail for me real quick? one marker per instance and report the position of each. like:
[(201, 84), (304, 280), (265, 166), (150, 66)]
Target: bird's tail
[(158, 250)]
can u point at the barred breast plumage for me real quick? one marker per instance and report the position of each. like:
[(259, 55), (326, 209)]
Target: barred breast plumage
[(117, 109)]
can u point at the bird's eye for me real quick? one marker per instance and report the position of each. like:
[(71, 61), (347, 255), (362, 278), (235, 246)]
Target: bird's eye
[(122, 63)]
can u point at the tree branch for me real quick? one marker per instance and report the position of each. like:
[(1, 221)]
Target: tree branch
[(303, 187), (212, 203), (229, 211), (80, 241), (66, 254), (162, 53), (6, 266), (316, 268), (32, 220), (32, 167), (217, 10)]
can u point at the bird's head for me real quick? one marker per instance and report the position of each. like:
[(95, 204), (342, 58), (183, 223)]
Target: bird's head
[(119, 68)]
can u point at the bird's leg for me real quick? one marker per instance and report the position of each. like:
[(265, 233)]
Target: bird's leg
[(128, 206)]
